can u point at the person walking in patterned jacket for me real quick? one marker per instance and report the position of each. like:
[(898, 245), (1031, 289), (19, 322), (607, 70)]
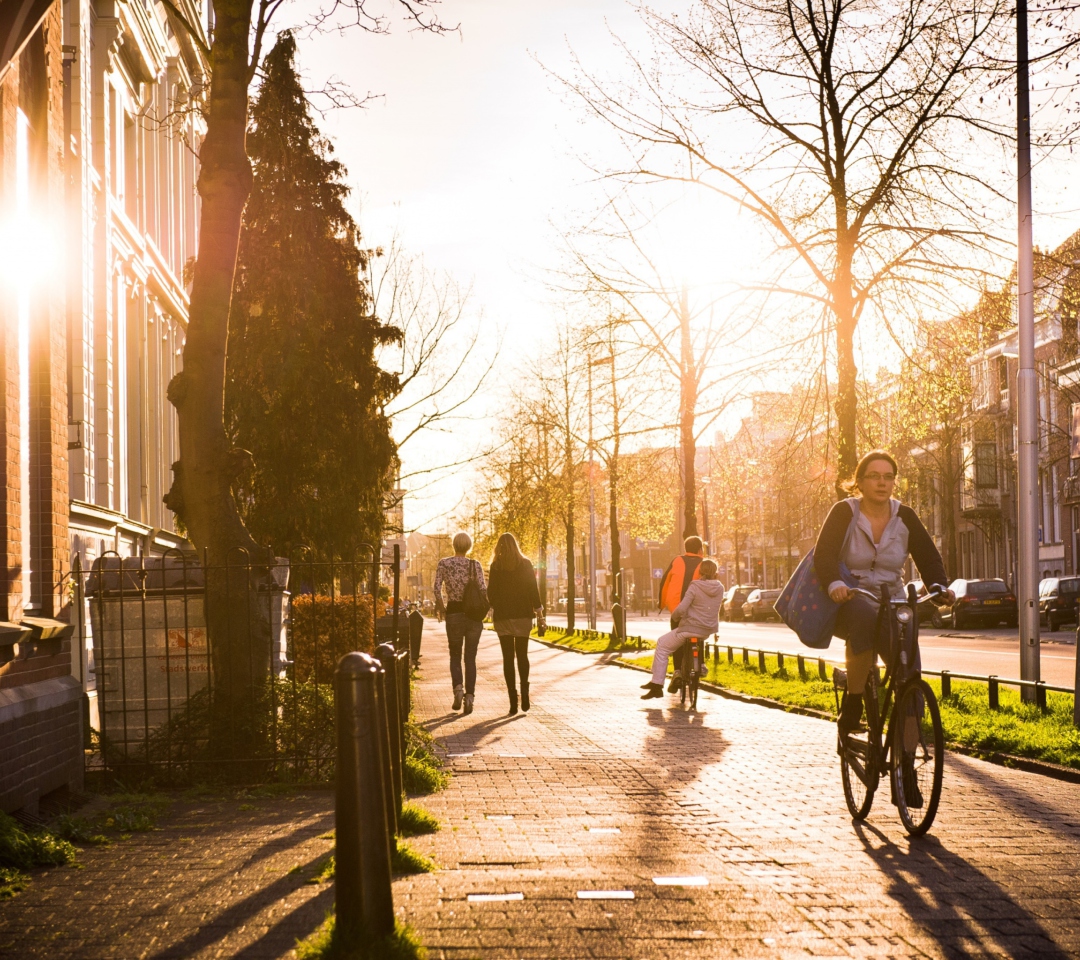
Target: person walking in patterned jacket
[(453, 573)]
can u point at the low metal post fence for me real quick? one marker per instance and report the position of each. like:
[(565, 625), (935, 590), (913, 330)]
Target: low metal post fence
[(387, 657), (362, 835), (761, 662), (382, 683)]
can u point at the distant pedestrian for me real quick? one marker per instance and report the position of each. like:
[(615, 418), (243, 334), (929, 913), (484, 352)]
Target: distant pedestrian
[(697, 615), (515, 599), (454, 573)]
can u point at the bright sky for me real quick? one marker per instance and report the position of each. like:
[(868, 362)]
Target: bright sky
[(473, 155)]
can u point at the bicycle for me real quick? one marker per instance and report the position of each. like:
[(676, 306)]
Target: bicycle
[(691, 660), (903, 739)]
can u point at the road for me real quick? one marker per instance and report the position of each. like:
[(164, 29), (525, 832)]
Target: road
[(981, 652)]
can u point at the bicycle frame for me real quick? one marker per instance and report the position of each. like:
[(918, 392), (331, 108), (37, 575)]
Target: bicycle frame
[(879, 713)]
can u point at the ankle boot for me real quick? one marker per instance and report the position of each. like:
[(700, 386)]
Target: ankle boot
[(513, 701), (850, 714), (459, 692), (525, 696)]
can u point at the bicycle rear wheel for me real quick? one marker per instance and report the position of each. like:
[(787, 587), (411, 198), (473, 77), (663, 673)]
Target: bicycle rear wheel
[(858, 770), (695, 672), (918, 756)]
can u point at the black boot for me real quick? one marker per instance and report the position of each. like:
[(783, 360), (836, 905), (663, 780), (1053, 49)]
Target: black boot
[(654, 691), (850, 714), (513, 701), (525, 696)]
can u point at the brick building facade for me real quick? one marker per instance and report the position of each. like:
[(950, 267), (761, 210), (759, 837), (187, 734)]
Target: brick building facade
[(98, 218)]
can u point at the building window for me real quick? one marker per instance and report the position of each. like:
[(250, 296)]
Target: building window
[(985, 465)]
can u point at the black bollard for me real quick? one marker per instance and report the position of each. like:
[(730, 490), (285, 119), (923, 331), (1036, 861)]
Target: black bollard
[(362, 872), (416, 634), (404, 676), (387, 657)]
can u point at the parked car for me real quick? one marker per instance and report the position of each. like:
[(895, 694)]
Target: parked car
[(986, 602), (928, 612), (1058, 597), (759, 606), (734, 600)]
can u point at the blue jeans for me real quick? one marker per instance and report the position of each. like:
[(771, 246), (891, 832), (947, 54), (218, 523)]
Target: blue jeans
[(462, 631)]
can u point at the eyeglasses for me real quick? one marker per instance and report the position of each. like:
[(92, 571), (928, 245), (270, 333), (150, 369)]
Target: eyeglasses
[(887, 477)]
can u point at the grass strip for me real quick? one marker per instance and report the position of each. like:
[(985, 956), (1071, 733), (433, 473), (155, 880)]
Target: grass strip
[(402, 944), (423, 771), (415, 820), (1018, 728), (591, 641), (22, 849)]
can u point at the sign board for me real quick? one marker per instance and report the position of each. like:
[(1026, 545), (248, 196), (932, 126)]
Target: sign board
[(1074, 433), (657, 573)]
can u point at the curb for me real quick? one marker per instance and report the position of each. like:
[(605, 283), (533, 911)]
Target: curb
[(1042, 767)]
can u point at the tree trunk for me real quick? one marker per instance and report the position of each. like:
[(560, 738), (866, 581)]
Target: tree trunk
[(688, 383), (847, 436), (571, 571), (201, 493), (613, 493)]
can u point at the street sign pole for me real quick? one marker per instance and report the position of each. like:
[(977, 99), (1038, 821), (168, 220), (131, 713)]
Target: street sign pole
[(1027, 456)]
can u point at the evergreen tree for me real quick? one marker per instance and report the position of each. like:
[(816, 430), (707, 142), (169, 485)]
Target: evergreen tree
[(304, 394)]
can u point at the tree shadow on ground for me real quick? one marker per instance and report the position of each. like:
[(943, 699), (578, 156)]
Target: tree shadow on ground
[(953, 901)]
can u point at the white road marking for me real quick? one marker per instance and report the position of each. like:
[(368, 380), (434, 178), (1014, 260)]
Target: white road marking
[(494, 897), (681, 881), (605, 894)]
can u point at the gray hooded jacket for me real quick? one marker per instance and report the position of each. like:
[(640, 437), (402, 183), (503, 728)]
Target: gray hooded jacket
[(699, 611)]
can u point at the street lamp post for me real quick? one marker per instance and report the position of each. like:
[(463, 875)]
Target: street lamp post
[(1026, 387)]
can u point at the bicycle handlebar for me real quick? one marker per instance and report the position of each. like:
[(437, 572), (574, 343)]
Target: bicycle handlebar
[(933, 593)]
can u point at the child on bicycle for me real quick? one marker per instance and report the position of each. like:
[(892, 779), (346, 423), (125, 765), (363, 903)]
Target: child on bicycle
[(698, 615)]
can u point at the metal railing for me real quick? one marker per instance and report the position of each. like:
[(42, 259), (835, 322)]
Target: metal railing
[(228, 670), (993, 682)]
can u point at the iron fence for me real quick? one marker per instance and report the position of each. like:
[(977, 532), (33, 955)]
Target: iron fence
[(993, 682), (225, 672)]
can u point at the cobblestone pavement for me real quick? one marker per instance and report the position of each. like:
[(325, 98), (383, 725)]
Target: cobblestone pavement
[(745, 800), (595, 792), (222, 877)]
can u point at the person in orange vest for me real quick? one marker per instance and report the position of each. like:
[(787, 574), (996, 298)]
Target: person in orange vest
[(681, 572)]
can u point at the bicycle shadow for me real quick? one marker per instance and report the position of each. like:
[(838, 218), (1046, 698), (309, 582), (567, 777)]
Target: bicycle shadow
[(683, 742), (954, 902)]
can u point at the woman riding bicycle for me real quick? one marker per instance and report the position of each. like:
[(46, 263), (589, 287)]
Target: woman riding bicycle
[(872, 535)]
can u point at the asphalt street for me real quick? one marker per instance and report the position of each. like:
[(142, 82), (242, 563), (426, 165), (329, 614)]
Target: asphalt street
[(982, 652)]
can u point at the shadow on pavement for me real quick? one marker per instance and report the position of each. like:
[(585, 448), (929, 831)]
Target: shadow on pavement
[(953, 901), (683, 743), (473, 736), (215, 928), (295, 925)]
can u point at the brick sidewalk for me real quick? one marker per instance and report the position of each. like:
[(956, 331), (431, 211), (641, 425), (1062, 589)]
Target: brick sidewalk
[(745, 797)]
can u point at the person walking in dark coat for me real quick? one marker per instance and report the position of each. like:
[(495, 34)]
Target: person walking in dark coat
[(515, 599)]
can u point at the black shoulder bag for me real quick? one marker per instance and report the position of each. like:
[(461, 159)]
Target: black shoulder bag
[(474, 601)]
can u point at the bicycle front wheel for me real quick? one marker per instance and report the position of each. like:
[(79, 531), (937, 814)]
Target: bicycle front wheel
[(918, 756)]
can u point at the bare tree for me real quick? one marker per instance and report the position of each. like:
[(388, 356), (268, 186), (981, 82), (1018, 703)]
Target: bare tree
[(841, 126), (203, 479), (442, 362), (681, 339)]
